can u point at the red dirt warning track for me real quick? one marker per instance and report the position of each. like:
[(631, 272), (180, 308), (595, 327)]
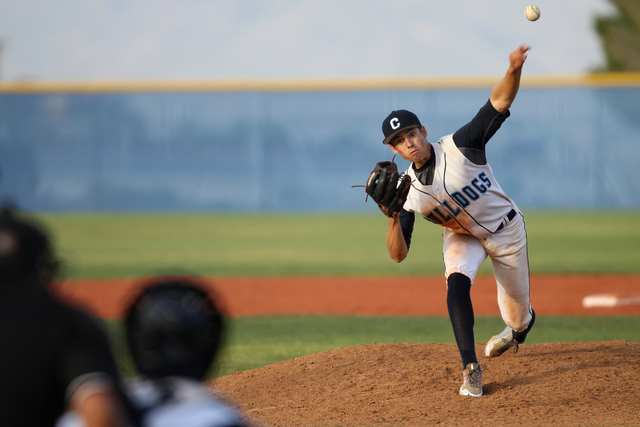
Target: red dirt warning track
[(366, 295)]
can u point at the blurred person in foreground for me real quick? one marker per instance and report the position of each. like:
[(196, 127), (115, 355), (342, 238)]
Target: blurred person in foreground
[(52, 356), (175, 329)]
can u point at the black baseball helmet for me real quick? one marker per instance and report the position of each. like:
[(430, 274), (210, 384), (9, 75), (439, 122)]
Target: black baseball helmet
[(174, 328), (25, 249)]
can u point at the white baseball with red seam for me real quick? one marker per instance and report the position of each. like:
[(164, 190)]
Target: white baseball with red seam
[(532, 12)]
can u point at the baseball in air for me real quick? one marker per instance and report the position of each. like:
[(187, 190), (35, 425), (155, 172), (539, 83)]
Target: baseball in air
[(532, 12)]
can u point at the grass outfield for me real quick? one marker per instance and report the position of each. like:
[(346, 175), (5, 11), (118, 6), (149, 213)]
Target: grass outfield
[(132, 245), (262, 340)]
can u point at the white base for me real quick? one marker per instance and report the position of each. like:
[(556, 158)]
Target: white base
[(609, 300)]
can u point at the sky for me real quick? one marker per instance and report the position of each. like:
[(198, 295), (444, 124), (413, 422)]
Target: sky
[(101, 40)]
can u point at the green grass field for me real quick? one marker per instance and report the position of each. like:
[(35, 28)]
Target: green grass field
[(127, 245), (116, 246)]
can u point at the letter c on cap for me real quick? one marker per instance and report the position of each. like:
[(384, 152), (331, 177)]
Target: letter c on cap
[(395, 123)]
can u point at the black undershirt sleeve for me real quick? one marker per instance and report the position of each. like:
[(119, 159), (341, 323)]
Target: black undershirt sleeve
[(407, 219), (472, 137)]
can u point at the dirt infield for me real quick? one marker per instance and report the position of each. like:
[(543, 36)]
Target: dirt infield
[(409, 384)]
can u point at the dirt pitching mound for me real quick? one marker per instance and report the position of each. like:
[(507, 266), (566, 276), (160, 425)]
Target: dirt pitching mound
[(409, 384)]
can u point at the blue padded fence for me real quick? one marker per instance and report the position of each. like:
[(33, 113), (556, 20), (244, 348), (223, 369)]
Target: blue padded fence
[(300, 151)]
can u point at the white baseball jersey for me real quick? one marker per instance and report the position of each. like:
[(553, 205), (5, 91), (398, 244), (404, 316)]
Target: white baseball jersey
[(463, 196)]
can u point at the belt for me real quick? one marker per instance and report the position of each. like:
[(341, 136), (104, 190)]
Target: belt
[(510, 216)]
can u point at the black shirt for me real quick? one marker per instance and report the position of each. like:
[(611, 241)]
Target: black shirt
[(44, 346)]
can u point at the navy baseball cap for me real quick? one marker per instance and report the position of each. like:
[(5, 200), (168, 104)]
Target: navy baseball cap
[(397, 121)]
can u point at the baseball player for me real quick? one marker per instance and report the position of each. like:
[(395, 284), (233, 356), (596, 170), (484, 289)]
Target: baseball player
[(52, 356), (174, 329), (451, 184)]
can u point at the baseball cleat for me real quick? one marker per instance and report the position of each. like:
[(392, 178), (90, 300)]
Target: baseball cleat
[(500, 343), (472, 381)]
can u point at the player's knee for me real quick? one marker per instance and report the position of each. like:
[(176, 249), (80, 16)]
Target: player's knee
[(528, 323), (523, 322)]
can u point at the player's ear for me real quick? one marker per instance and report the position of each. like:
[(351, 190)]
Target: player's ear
[(423, 130), (393, 148)]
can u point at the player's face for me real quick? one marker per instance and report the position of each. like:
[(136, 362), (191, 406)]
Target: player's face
[(412, 145)]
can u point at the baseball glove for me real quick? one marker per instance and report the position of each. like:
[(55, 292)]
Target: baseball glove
[(388, 188)]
